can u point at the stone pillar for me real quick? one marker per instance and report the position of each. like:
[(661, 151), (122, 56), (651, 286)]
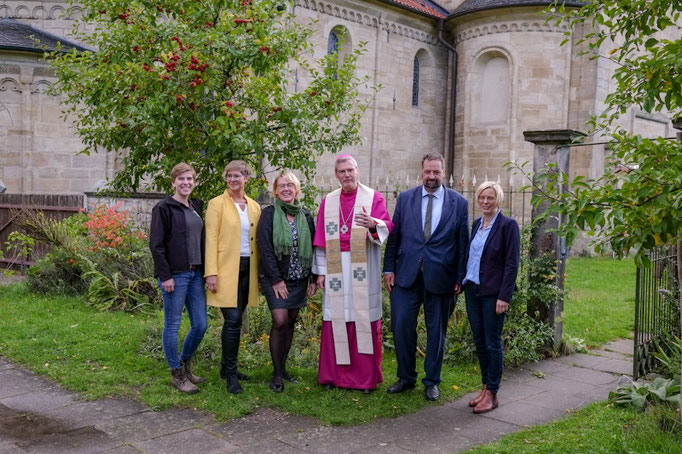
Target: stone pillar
[(550, 150)]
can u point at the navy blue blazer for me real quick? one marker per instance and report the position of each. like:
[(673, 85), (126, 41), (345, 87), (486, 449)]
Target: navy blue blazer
[(443, 256), (500, 259)]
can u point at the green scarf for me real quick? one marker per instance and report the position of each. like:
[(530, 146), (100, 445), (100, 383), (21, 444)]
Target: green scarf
[(282, 239)]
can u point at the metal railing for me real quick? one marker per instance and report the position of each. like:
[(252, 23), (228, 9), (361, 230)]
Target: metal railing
[(657, 311), (516, 202)]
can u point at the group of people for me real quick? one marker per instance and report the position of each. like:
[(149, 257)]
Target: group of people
[(429, 259)]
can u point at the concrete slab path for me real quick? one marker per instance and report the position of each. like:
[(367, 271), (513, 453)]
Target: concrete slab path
[(38, 416)]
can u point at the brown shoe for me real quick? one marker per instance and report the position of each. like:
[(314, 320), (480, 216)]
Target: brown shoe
[(180, 381), (473, 402), (186, 365), (488, 403)]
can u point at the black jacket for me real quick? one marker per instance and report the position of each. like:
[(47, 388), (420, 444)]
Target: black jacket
[(271, 269), (167, 237), (500, 258)]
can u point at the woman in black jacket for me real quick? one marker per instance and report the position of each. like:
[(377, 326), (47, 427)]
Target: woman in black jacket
[(285, 233), (492, 266), (177, 244)]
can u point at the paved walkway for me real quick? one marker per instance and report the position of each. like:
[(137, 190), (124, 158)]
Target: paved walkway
[(38, 416)]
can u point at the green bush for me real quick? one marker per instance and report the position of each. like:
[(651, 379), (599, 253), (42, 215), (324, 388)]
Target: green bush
[(669, 355), (100, 255), (639, 395), (59, 272)]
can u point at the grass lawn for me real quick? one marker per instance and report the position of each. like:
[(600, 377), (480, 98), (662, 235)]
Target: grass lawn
[(599, 428), (600, 304), (115, 354)]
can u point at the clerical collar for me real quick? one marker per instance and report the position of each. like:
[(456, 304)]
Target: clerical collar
[(353, 192)]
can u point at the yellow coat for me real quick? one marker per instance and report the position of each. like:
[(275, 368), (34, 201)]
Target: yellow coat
[(223, 243)]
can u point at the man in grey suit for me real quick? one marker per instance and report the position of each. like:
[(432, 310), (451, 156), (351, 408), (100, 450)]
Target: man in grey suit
[(425, 264)]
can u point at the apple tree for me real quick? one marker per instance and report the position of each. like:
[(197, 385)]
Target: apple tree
[(205, 82)]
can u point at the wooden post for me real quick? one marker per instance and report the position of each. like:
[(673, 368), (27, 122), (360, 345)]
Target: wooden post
[(550, 149)]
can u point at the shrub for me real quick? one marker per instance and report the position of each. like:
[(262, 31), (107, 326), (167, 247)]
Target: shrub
[(100, 254), (59, 272), (669, 355), (639, 395)]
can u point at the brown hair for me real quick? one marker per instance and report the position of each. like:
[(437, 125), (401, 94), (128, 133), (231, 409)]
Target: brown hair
[(238, 165), (433, 157), (181, 168)]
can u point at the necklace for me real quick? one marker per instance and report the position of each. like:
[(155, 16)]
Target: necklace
[(344, 227)]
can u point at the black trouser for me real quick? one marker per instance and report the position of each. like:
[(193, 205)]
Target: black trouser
[(232, 326)]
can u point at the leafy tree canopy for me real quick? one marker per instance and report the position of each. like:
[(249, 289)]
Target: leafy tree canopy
[(637, 203), (205, 82)]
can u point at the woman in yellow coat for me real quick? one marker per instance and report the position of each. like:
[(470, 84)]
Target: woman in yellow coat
[(231, 269)]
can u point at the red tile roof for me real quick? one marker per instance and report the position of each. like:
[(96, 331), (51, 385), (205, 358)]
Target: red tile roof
[(423, 6)]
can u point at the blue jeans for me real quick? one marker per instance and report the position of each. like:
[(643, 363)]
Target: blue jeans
[(487, 327), (188, 292)]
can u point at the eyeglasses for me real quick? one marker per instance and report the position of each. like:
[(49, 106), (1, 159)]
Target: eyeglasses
[(286, 186)]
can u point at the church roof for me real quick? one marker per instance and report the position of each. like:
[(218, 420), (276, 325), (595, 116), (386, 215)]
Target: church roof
[(18, 36), (470, 6), (425, 7)]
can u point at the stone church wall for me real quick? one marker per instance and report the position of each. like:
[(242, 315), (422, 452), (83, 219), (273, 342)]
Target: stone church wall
[(396, 133), (38, 147)]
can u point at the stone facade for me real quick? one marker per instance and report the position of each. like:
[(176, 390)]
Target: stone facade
[(513, 75), (396, 133)]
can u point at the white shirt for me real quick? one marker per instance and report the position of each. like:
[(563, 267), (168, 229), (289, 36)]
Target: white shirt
[(245, 249), (436, 207)]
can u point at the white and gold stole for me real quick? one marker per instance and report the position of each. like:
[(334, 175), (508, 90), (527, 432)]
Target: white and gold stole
[(358, 271)]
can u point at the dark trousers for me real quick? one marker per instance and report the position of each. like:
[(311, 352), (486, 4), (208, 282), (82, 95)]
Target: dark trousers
[(405, 304), (487, 327), (232, 325)]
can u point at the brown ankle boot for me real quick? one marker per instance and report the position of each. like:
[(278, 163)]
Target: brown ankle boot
[(488, 403), (473, 402), (186, 365), (180, 381)]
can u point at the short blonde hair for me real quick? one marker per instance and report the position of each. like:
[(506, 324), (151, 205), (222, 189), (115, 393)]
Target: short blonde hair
[(181, 168), (238, 165), (289, 176), (499, 192)]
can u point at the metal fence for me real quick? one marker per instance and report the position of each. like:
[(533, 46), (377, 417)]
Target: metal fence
[(657, 310), (516, 202)]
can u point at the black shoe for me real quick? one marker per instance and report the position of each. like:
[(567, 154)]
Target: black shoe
[(233, 385), (367, 391), (400, 386), (277, 387), (289, 378), (242, 376), (432, 392), (328, 387)]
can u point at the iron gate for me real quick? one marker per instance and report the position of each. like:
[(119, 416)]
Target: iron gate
[(657, 310)]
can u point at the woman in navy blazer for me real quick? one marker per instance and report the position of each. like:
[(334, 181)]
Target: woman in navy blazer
[(492, 266)]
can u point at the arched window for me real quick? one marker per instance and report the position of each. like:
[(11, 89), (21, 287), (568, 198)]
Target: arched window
[(333, 43), (415, 82)]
